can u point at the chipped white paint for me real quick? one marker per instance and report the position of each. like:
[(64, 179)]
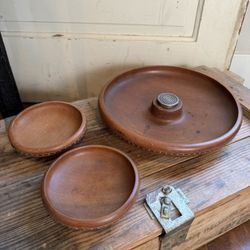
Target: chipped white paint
[(70, 49)]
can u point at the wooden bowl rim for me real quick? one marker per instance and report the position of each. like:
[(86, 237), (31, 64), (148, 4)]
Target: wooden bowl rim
[(164, 147), (99, 222), (49, 150)]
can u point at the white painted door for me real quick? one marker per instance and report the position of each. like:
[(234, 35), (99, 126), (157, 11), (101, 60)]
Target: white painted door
[(62, 49)]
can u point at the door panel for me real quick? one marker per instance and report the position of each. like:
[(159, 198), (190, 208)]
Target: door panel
[(116, 17), (67, 50)]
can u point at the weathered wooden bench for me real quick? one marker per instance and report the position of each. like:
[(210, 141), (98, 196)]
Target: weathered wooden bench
[(217, 185)]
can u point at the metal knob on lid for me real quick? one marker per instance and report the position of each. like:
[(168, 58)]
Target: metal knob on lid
[(167, 107), (168, 100)]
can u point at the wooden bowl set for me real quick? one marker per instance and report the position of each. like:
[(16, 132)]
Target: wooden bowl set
[(164, 109)]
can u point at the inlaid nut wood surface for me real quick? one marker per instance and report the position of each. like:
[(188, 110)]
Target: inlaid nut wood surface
[(170, 110), (90, 187), (47, 128)]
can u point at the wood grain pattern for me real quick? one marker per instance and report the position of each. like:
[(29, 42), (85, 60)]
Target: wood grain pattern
[(219, 219), (239, 238), (217, 185), (152, 244)]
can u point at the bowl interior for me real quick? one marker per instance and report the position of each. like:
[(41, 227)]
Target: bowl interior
[(46, 126), (209, 110), (89, 183)]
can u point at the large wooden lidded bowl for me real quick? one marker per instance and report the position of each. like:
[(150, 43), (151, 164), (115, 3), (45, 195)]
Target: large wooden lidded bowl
[(90, 187), (47, 128), (170, 110)]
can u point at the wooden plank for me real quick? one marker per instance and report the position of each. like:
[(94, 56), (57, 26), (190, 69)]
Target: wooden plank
[(152, 244), (25, 222), (203, 248), (220, 218), (217, 185), (239, 238), (22, 220)]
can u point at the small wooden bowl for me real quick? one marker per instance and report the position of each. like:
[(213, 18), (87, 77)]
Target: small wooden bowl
[(90, 187), (47, 128)]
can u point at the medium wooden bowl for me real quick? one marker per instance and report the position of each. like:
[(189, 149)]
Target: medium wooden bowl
[(170, 110), (90, 187), (47, 128)]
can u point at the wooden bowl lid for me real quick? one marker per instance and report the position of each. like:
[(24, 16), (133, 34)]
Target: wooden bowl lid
[(47, 128), (170, 110), (90, 187)]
